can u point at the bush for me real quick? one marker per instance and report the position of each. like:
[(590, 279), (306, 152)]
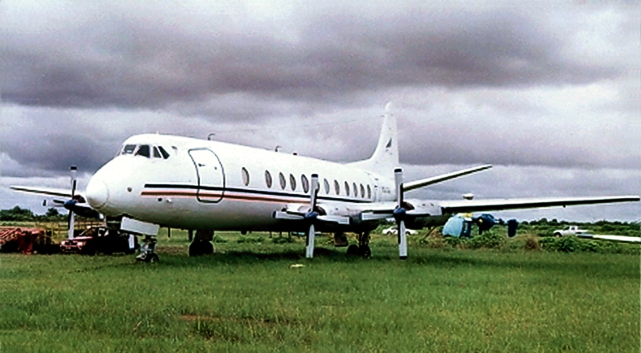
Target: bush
[(531, 243), (488, 240)]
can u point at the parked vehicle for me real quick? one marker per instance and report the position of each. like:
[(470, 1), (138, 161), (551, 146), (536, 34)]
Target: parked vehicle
[(103, 240), (394, 231), (569, 230)]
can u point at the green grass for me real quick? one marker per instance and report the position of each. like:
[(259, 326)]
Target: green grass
[(248, 298)]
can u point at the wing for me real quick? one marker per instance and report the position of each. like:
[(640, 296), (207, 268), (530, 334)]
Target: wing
[(515, 204), (619, 238), (45, 191)]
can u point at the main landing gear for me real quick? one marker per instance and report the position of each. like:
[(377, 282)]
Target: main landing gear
[(147, 253), (362, 249), (202, 243)]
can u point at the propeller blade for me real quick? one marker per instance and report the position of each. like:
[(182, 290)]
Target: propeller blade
[(402, 244), (70, 222), (310, 241), (74, 171), (314, 191), (400, 213), (311, 216), (398, 178)]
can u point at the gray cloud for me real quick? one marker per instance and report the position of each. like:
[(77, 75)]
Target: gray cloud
[(536, 88), (145, 57)]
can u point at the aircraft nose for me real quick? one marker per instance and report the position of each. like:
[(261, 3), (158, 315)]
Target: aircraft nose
[(97, 193)]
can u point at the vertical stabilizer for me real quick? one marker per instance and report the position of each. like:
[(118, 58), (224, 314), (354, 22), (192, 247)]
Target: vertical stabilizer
[(385, 157)]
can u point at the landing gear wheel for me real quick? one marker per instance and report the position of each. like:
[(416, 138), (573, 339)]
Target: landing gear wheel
[(363, 245), (353, 250), (152, 258), (201, 247), (194, 249), (365, 251)]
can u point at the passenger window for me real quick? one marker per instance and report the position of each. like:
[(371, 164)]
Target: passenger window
[(305, 182), (362, 191), (245, 174), (355, 190), (326, 186), (268, 179), (164, 153), (156, 153), (283, 182), (369, 192), (337, 187), (292, 182), (143, 150), (347, 188)]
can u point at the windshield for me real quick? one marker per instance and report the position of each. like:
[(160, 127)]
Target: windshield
[(147, 151)]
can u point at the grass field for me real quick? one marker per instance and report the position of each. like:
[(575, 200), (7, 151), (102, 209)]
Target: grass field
[(248, 297)]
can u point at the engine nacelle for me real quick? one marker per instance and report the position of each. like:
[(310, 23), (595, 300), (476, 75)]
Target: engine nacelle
[(485, 222)]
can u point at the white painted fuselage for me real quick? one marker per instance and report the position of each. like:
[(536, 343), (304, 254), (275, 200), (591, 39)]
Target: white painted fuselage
[(213, 185)]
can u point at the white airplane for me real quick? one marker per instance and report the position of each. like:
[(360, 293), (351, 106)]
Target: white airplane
[(178, 182)]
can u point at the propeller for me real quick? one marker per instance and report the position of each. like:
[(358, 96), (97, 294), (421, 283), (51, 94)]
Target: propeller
[(311, 216), (400, 213), (71, 202)]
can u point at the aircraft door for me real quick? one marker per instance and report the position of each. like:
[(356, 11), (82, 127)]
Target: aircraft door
[(211, 176)]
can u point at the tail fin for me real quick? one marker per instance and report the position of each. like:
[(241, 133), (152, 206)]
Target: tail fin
[(385, 157)]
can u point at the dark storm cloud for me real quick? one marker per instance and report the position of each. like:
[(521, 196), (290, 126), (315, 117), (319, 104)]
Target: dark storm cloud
[(55, 153), (149, 59)]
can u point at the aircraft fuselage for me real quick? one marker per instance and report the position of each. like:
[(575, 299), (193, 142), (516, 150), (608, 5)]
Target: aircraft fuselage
[(212, 185)]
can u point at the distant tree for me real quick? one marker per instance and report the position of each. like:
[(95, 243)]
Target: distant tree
[(17, 214), (52, 212)]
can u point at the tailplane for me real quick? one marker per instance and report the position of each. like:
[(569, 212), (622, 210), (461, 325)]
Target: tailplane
[(385, 157)]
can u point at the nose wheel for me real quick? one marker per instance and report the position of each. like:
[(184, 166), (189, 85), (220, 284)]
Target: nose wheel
[(147, 253)]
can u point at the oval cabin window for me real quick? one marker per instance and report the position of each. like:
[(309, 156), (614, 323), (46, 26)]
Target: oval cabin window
[(326, 186), (292, 182), (268, 179), (305, 182), (337, 187), (347, 188)]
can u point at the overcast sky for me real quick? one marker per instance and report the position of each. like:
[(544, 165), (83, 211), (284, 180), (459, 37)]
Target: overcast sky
[(547, 91)]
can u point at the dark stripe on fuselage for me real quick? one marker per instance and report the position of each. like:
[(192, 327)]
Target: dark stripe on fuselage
[(250, 194)]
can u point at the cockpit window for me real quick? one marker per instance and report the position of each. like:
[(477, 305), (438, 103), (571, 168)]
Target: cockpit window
[(164, 153), (143, 150), (128, 149)]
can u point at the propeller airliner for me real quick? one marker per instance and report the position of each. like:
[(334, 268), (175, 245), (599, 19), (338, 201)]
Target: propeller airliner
[(178, 182)]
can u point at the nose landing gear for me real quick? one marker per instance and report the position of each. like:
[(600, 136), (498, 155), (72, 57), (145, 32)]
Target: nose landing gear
[(147, 253)]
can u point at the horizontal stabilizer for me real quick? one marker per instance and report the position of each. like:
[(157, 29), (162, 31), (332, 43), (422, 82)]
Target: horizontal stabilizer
[(515, 204), (437, 179)]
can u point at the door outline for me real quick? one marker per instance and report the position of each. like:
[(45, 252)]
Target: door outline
[(218, 172)]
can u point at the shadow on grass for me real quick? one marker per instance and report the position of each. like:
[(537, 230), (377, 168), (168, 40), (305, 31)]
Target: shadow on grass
[(590, 264)]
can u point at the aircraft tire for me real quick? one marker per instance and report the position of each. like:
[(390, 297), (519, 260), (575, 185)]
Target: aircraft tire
[(207, 248), (353, 250), (194, 249), (365, 251), (152, 258)]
